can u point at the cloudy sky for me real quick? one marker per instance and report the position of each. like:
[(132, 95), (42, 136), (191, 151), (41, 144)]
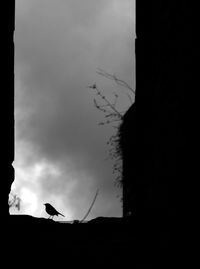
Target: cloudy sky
[(61, 156)]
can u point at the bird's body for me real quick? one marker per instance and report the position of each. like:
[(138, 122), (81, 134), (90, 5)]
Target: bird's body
[(52, 211)]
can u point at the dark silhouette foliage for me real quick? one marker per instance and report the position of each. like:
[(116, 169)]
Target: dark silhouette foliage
[(114, 116), (14, 201)]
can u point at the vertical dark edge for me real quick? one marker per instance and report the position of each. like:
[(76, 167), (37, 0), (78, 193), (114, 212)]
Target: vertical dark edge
[(7, 104)]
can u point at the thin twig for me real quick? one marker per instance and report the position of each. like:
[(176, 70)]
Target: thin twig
[(112, 115), (116, 79), (90, 206), (15, 201), (107, 103)]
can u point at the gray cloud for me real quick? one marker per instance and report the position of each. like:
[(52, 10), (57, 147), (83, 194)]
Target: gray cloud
[(58, 46)]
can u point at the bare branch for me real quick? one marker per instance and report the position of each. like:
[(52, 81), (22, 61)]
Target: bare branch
[(95, 197), (116, 79), (112, 115), (107, 104), (15, 201), (130, 98)]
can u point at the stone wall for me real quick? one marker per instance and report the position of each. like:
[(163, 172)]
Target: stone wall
[(154, 132), (7, 104)]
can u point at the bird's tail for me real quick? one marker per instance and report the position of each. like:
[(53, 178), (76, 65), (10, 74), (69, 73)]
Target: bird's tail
[(61, 215)]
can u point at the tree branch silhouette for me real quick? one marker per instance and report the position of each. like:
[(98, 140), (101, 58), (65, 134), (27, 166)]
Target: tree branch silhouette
[(88, 212), (118, 81), (106, 106), (112, 115), (14, 201)]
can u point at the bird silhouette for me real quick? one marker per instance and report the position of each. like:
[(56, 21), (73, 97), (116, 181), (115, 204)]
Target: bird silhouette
[(51, 210)]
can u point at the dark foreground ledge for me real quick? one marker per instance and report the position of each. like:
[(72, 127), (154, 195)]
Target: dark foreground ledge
[(104, 241)]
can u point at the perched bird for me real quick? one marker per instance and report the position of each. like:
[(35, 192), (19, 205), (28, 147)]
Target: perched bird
[(52, 211)]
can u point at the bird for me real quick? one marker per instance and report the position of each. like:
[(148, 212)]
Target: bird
[(51, 210)]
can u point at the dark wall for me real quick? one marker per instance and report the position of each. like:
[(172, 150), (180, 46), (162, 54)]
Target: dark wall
[(7, 104), (154, 132), (128, 147)]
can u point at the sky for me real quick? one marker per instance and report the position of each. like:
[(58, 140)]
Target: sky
[(61, 155)]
